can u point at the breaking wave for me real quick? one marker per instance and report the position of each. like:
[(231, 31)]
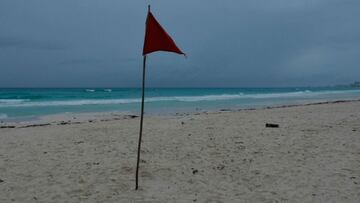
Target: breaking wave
[(12, 101), (298, 94)]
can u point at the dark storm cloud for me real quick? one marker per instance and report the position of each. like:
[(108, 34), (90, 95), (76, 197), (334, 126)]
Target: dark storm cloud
[(229, 43)]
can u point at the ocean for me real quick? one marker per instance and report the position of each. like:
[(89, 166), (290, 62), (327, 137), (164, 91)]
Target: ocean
[(29, 103)]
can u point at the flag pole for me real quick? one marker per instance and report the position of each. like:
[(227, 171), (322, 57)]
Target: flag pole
[(141, 125), (141, 121), (166, 44)]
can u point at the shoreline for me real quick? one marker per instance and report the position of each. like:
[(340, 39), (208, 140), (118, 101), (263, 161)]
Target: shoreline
[(23, 107), (92, 117)]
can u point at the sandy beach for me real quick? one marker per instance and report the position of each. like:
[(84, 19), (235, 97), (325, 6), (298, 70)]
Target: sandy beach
[(228, 156)]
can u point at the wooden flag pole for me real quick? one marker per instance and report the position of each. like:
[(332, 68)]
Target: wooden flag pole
[(156, 39), (141, 125), (141, 121)]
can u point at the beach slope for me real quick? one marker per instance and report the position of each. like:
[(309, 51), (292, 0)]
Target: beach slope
[(314, 156)]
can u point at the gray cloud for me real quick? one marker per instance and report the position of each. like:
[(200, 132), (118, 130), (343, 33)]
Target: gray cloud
[(229, 43), (14, 42), (86, 61)]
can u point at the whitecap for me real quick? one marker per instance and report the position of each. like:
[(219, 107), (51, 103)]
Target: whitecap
[(12, 101), (298, 94)]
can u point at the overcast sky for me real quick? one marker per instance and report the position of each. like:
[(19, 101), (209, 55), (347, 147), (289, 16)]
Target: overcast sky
[(229, 43)]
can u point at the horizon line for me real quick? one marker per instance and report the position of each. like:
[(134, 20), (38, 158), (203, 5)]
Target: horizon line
[(220, 87)]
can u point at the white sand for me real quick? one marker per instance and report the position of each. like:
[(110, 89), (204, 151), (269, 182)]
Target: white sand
[(219, 157)]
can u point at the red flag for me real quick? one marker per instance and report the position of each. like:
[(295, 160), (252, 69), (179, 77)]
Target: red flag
[(156, 38)]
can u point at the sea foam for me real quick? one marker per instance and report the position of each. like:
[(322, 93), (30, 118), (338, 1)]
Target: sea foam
[(12, 101), (199, 98)]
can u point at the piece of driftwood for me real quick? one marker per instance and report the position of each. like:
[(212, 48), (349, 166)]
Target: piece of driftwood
[(132, 116), (7, 126), (35, 125), (271, 125)]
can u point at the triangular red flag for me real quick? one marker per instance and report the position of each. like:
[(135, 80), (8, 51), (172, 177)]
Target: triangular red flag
[(156, 38)]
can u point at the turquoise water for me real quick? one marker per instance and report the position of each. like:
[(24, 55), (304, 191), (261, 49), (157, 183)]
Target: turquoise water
[(17, 103)]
